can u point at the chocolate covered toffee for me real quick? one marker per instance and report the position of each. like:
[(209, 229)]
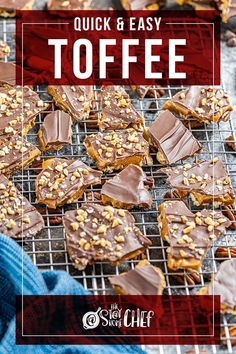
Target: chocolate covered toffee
[(16, 154), (172, 139), (145, 279), (128, 189), (76, 100), (55, 132), (189, 235), (116, 150), (224, 284), (118, 111), (203, 104), (18, 218), (18, 109), (64, 181), (207, 182), (8, 7), (101, 233)]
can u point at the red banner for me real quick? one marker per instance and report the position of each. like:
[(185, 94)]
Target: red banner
[(115, 47), (107, 319)]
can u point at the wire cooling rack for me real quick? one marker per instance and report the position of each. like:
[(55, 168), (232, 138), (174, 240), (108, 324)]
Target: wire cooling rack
[(48, 248)]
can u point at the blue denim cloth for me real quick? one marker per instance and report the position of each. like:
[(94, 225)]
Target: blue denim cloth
[(37, 283)]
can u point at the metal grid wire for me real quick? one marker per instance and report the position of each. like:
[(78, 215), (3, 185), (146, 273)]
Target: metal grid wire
[(48, 248)]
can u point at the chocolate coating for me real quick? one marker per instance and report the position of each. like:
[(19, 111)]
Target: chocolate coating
[(76, 100), (11, 118), (7, 73), (204, 104), (102, 233), (208, 178), (175, 142), (117, 110), (18, 218), (55, 132), (64, 181), (143, 280), (224, 284), (129, 188), (16, 154)]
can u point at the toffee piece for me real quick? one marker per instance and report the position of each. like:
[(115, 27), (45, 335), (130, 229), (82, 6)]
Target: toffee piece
[(231, 141), (145, 279), (116, 150), (203, 104), (118, 111), (18, 218), (64, 181), (172, 139), (68, 4), (4, 49), (101, 233), (12, 119), (55, 132), (142, 4), (207, 182), (223, 283), (128, 189), (189, 235), (227, 8), (76, 100), (8, 8), (16, 154)]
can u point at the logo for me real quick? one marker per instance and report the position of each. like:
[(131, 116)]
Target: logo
[(116, 317)]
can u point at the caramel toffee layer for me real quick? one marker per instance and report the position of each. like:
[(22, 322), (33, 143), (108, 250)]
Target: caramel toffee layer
[(118, 111), (172, 139), (55, 132), (102, 233), (145, 279), (115, 150), (4, 49), (76, 100), (16, 154), (206, 182), (128, 189), (11, 117), (142, 4), (68, 4), (64, 181), (224, 284), (231, 141), (8, 7), (204, 104), (189, 235), (18, 218), (148, 91)]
